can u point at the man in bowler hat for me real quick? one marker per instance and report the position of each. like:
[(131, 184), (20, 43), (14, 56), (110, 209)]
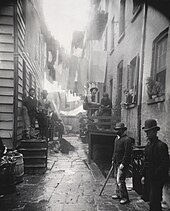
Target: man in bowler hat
[(156, 163), (121, 159)]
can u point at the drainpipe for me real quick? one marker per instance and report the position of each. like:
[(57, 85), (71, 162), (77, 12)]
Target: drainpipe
[(141, 69)]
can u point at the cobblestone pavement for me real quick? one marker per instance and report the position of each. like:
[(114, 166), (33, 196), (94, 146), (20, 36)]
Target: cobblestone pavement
[(69, 184)]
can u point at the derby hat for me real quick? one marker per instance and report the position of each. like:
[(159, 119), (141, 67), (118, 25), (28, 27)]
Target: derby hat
[(150, 124), (120, 125), (94, 88)]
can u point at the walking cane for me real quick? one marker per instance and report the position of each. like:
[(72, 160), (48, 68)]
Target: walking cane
[(110, 171)]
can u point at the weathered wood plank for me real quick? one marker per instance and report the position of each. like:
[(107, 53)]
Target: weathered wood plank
[(6, 56), (6, 133), (4, 29), (8, 10), (6, 125), (6, 108), (6, 82), (6, 38), (20, 102), (20, 82), (20, 89), (7, 20), (6, 91), (6, 74), (21, 23), (7, 65), (6, 47), (6, 100), (6, 116)]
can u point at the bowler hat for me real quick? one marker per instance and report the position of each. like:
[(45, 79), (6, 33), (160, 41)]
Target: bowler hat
[(94, 88), (150, 124), (120, 125)]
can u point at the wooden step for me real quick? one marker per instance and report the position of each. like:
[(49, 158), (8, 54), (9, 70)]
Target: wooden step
[(33, 152), (35, 165), (33, 144), (35, 160), (35, 169)]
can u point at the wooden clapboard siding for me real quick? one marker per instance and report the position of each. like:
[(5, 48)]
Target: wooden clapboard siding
[(6, 38), (6, 56), (6, 71), (6, 82), (6, 117), (6, 108), (6, 91), (20, 28), (7, 125)]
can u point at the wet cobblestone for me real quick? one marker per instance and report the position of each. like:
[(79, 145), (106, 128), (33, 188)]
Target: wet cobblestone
[(69, 184)]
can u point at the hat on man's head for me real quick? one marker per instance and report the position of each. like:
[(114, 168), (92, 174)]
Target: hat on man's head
[(120, 125), (94, 87), (150, 124)]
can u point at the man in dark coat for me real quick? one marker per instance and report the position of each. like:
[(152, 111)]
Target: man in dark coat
[(30, 103), (156, 164), (121, 159)]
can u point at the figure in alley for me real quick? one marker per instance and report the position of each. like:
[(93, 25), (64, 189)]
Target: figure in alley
[(156, 163), (121, 159)]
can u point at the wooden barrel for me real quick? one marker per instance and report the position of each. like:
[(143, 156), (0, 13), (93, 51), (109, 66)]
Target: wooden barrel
[(19, 168), (7, 178)]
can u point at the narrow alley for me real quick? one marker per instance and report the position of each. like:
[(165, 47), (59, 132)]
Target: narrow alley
[(70, 184)]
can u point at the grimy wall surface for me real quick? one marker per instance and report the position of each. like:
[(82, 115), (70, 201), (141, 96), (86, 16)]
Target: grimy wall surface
[(126, 47)]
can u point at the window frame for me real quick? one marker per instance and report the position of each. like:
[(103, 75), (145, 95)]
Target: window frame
[(135, 80), (154, 71)]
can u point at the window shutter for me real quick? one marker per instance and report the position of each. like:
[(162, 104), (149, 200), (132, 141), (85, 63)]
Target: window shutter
[(135, 82)]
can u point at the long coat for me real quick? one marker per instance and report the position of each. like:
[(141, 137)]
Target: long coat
[(156, 162), (122, 150)]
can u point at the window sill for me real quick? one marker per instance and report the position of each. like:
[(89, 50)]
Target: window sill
[(129, 106), (111, 51), (135, 14), (121, 37), (156, 100)]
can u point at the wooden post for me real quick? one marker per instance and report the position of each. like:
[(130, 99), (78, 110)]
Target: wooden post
[(15, 105)]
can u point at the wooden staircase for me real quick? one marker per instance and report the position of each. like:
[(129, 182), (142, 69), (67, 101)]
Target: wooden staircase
[(35, 155)]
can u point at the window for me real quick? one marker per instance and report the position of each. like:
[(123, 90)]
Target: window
[(112, 35), (132, 81), (159, 59), (122, 17), (136, 5)]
